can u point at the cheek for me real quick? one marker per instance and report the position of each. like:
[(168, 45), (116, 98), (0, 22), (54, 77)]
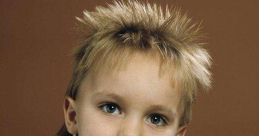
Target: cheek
[(95, 123), (170, 130), (165, 132)]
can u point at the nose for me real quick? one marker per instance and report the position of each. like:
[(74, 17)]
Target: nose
[(131, 126)]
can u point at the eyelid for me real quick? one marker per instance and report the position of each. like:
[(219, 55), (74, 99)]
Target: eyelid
[(163, 117), (104, 103)]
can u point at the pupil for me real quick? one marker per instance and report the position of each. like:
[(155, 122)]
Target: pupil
[(155, 119), (111, 108)]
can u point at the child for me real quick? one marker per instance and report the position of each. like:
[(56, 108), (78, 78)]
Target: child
[(136, 74)]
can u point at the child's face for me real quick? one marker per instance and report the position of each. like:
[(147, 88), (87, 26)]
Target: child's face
[(131, 102)]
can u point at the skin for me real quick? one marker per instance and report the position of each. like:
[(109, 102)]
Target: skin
[(134, 101)]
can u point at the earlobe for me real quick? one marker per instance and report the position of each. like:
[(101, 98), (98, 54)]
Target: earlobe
[(70, 115), (182, 131)]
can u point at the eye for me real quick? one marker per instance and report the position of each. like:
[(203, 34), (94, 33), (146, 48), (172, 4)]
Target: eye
[(111, 108), (157, 119)]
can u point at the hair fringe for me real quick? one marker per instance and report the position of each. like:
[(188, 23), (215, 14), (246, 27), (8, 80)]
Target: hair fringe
[(141, 24)]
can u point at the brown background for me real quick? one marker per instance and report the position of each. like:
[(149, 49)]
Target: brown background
[(36, 39)]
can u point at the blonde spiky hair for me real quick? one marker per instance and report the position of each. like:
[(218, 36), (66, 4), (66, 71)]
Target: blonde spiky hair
[(123, 28)]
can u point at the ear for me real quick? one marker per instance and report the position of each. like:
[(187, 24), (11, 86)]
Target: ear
[(70, 115), (182, 131)]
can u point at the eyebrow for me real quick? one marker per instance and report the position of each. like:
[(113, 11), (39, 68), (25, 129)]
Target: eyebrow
[(152, 108), (163, 109), (112, 95)]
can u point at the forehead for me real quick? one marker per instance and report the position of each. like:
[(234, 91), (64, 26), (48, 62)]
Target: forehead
[(139, 82)]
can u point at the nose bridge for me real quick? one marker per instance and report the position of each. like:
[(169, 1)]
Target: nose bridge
[(131, 126)]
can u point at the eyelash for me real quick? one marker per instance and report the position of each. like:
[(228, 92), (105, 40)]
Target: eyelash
[(161, 117)]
